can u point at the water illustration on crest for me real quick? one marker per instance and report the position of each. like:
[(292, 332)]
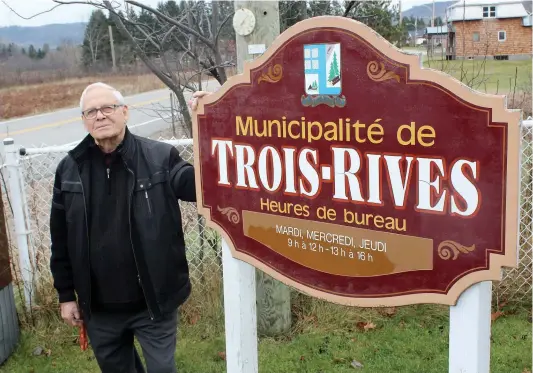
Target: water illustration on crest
[(323, 81)]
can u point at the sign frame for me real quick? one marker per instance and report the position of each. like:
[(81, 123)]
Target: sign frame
[(500, 114)]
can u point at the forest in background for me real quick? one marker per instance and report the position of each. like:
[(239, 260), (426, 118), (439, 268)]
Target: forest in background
[(34, 64)]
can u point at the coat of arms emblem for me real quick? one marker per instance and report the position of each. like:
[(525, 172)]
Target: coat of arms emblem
[(323, 80)]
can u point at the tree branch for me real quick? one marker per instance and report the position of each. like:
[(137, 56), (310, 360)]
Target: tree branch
[(120, 26), (221, 26), (30, 17), (349, 7), (148, 37), (86, 2), (174, 22), (167, 35)]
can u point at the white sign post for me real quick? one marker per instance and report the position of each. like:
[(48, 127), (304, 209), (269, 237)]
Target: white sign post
[(240, 314), (470, 323)]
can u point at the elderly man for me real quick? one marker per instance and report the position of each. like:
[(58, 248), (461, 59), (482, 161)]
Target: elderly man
[(118, 251)]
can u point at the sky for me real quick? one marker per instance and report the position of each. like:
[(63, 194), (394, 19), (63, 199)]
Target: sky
[(78, 12), (61, 14)]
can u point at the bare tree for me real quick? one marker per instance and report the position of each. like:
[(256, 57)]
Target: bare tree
[(174, 43), (94, 37)]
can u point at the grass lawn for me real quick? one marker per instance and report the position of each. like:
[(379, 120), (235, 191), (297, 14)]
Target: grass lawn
[(488, 76), (325, 338)]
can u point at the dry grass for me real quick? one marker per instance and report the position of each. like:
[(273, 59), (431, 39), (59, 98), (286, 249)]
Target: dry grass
[(510, 78), (32, 99)]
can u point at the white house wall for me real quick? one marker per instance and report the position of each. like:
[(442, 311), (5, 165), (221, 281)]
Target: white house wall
[(469, 12), (510, 10)]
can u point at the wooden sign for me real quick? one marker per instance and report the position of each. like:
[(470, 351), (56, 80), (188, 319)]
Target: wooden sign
[(339, 166)]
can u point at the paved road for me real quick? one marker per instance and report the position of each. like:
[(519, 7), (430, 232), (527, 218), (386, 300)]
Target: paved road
[(65, 126)]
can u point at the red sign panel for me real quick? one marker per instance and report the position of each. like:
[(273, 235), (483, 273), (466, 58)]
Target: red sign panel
[(338, 165)]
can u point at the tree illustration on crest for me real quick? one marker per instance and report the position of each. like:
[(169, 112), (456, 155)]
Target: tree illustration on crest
[(333, 68)]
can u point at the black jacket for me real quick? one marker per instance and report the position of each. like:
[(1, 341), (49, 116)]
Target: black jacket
[(158, 178)]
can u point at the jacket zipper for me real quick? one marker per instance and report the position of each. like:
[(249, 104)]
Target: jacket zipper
[(131, 242), (148, 200), (87, 233), (108, 182)]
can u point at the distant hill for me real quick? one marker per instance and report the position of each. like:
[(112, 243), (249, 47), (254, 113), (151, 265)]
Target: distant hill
[(426, 10), (54, 34)]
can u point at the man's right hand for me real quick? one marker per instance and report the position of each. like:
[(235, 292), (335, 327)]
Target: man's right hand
[(71, 314)]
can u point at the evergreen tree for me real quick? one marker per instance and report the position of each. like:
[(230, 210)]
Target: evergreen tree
[(171, 8), (32, 53), (377, 14), (4, 54), (336, 8), (96, 47), (317, 8), (334, 68), (40, 54), (149, 25), (125, 46), (226, 8), (291, 12)]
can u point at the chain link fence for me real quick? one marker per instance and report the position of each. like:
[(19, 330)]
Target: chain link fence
[(204, 244), (517, 282), (38, 170)]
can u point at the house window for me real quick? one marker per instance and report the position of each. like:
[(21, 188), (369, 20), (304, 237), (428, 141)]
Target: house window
[(311, 59), (502, 35), (489, 12), (475, 36)]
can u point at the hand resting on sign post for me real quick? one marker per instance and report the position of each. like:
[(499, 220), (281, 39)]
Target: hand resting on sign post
[(197, 95)]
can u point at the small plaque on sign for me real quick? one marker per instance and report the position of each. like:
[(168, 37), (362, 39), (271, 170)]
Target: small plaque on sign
[(339, 166), (256, 48)]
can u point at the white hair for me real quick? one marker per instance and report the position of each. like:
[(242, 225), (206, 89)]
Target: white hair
[(116, 93)]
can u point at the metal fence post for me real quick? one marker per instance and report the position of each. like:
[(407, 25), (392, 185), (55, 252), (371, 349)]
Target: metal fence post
[(528, 123), (172, 113), (21, 231)]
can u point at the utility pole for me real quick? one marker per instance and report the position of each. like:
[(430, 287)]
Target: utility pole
[(433, 15), (416, 32), (273, 297), (112, 47), (190, 23), (400, 9), (401, 28)]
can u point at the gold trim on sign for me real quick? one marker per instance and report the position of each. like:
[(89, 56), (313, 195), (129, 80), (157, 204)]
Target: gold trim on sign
[(231, 213), (446, 248), (381, 75), (272, 75)]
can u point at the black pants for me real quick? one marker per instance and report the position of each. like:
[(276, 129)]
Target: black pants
[(111, 336)]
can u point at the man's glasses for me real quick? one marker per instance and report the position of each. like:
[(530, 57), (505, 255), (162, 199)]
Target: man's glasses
[(106, 110)]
